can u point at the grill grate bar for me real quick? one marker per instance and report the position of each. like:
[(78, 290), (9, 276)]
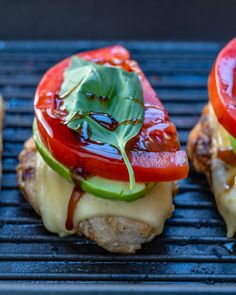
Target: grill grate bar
[(207, 278), (121, 258), (181, 240)]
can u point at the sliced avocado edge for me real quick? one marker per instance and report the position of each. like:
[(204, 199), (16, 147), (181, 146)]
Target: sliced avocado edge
[(96, 185)]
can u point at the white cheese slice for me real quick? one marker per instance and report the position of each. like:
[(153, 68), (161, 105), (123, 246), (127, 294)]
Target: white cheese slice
[(220, 137), (53, 194), (225, 195)]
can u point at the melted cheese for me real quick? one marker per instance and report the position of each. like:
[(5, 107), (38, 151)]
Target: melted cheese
[(220, 137), (53, 194), (225, 196)]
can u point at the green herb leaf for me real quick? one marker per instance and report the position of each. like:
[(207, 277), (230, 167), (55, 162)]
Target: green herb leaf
[(106, 103)]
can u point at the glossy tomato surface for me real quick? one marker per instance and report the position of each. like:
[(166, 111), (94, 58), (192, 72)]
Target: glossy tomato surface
[(154, 153), (222, 87)]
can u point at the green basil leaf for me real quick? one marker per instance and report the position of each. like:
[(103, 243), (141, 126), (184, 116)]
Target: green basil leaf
[(104, 102)]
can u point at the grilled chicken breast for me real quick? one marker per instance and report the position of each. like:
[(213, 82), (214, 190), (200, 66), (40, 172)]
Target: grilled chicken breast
[(206, 139), (114, 233), (199, 145)]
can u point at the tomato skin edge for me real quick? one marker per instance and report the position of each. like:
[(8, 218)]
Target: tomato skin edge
[(226, 114)]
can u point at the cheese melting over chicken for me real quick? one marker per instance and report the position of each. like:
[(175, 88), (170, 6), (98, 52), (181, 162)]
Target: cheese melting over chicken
[(53, 194), (222, 174)]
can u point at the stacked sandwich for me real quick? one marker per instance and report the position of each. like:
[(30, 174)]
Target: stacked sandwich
[(212, 142), (104, 157)]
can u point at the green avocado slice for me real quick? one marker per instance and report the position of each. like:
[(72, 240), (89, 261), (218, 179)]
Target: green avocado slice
[(233, 142), (48, 158), (114, 189), (98, 186)]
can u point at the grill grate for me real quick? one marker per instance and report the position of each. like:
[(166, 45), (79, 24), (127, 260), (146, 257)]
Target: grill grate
[(193, 247)]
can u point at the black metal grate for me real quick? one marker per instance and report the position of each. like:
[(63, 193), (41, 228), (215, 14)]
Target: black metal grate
[(193, 247)]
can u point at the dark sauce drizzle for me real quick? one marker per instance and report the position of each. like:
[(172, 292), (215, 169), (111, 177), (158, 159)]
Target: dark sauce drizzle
[(74, 199), (131, 121), (136, 100), (104, 120), (102, 98), (77, 175)]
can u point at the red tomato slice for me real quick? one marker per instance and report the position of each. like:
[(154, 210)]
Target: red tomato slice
[(222, 87), (154, 153)]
